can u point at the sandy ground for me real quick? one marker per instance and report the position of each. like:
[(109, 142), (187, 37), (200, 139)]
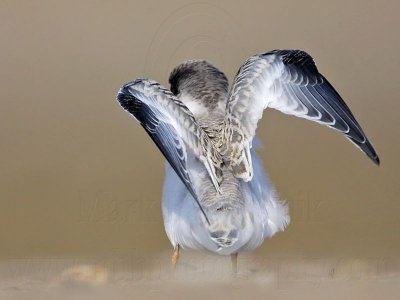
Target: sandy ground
[(200, 277)]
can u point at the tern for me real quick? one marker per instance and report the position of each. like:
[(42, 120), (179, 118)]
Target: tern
[(217, 196)]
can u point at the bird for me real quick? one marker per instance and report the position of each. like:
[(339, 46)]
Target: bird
[(217, 197)]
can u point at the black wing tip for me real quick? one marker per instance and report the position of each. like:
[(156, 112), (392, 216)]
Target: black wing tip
[(376, 160), (124, 95), (369, 150), (128, 101), (125, 92), (292, 56), (295, 57)]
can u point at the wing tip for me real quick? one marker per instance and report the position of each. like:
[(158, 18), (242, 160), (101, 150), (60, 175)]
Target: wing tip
[(370, 152), (127, 100), (293, 57), (376, 160)]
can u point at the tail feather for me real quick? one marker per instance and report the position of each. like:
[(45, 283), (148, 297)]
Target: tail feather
[(224, 238)]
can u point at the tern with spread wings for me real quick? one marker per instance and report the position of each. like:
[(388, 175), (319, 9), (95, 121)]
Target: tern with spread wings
[(216, 195)]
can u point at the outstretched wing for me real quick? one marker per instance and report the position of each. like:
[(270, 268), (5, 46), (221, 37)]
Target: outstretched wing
[(172, 127), (289, 81)]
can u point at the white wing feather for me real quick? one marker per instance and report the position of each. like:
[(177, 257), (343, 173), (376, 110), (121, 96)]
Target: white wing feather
[(287, 80)]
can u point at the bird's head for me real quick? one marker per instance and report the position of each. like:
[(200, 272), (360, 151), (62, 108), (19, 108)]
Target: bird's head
[(200, 81)]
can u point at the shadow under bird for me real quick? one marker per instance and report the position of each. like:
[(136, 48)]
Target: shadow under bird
[(216, 195)]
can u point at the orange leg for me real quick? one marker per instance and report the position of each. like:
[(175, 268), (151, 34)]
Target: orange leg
[(175, 257)]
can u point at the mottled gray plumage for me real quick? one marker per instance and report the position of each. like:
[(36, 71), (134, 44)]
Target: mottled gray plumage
[(202, 81)]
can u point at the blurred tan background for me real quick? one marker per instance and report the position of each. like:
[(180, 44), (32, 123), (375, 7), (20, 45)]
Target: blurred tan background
[(80, 178)]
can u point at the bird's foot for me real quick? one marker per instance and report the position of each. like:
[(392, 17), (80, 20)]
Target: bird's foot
[(175, 258), (234, 264)]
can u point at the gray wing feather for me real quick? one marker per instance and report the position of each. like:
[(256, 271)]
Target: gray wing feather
[(171, 126), (289, 81)]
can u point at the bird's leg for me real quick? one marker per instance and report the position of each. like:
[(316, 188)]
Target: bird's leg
[(175, 257), (234, 257)]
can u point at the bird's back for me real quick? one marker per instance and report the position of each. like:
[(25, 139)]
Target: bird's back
[(240, 218), (238, 213)]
